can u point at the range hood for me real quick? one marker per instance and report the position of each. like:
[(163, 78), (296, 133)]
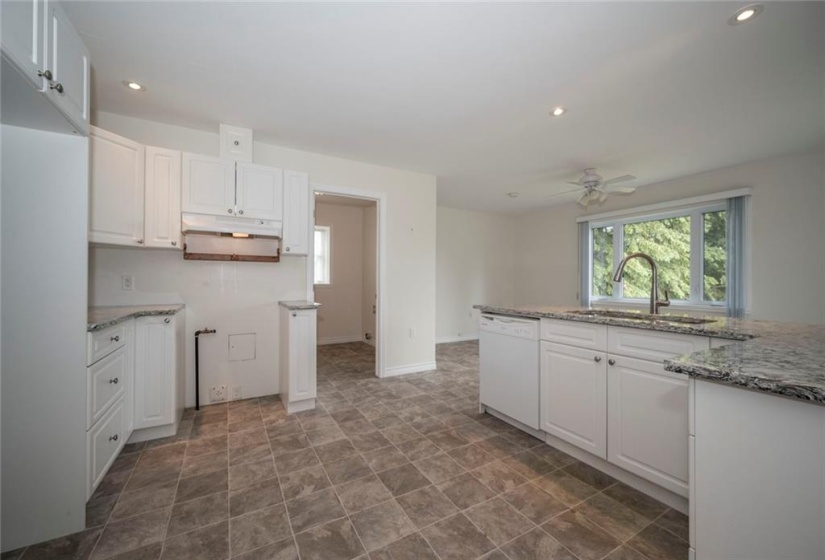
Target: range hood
[(231, 224)]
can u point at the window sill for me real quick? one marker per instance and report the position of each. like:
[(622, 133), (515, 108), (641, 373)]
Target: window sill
[(322, 286)]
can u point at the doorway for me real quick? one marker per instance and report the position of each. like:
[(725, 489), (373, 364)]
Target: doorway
[(344, 275)]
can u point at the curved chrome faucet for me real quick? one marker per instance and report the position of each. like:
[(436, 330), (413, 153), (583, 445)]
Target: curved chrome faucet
[(655, 303)]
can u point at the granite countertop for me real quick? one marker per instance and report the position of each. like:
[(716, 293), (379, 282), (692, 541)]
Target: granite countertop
[(786, 359), (295, 305), (102, 317)]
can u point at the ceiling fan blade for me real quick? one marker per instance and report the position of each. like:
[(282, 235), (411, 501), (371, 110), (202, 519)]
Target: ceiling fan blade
[(602, 197), (619, 179), (572, 183), (622, 190), (561, 193)]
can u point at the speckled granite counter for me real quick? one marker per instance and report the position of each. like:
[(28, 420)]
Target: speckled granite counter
[(295, 305), (102, 317), (786, 359)]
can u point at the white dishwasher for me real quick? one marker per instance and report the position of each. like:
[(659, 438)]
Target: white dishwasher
[(509, 367)]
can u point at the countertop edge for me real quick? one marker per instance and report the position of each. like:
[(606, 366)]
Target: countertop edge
[(299, 305), (149, 310)]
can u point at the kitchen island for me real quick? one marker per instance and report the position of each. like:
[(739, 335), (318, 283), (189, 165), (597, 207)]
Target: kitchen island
[(741, 413)]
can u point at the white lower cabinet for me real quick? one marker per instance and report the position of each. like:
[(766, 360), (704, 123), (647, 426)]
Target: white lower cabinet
[(647, 422), (158, 371), (574, 396), (103, 442), (297, 359)]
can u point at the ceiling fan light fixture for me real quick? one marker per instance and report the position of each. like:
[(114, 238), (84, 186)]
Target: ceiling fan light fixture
[(134, 86), (558, 111), (748, 13)]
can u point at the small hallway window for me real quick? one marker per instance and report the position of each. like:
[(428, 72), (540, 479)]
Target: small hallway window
[(322, 255)]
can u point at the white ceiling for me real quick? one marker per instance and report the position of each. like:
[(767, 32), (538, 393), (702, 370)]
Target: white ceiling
[(462, 91)]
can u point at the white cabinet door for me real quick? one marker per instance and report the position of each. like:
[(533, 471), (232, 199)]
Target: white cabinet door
[(163, 176), (259, 191), (647, 428), (296, 232), (103, 442), (302, 354), (574, 396), (208, 185), (23, 36), (116, 189), (69, 62), (154, 377)]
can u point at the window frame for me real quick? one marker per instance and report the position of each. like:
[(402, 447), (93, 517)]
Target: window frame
[(328, 257), (696, 213)]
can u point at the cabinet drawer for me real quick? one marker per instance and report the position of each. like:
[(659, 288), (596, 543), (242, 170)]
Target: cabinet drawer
[(105, 383), (104, 342), (103, 442), (652, 345), (574, 333)]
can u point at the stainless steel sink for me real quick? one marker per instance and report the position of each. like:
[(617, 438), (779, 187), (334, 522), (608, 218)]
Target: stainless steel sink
[(641, 317)]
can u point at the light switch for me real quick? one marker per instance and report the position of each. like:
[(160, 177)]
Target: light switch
[(241, 347)]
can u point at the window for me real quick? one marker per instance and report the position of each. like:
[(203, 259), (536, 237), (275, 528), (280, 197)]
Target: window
[(322, 255), (688, 245)]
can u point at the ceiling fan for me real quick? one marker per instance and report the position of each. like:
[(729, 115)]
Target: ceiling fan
[(596, 189)]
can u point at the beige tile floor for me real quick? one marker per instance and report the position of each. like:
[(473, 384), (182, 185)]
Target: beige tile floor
[(403, 468)]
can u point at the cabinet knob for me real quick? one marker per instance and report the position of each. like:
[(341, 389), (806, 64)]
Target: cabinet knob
[(114, 381), (294, 314), (114, 339), (174, 243), (167, 320), (611, 362), (58, 87), (597, 359), (287, 249), (140, 241), (113, 438), (45, 74), (240, 212), (228, 210)]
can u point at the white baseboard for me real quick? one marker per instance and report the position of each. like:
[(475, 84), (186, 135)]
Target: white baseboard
[(338, 340), (409, 368), (461, 338)]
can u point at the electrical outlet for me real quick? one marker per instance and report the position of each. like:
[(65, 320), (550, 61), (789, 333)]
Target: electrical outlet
[(217, 393), (237, 392), (127, 282)]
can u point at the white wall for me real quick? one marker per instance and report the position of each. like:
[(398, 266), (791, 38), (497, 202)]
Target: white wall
[(340, 314), (242, 297), (475, 264), (44, 194), (368, 284), (787, 236)]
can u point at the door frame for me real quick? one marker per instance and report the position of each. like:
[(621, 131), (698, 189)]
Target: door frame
[(380, 199)]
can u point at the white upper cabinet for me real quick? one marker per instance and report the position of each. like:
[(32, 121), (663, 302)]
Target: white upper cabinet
[(296, 234), (68, 60), (41, 42), (259, 192), (24, 38), (116, 189), (208, 185), (162, 215)]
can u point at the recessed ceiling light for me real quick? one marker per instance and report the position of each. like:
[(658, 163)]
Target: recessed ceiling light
[(134, 86), (558, 111), (745, 14)]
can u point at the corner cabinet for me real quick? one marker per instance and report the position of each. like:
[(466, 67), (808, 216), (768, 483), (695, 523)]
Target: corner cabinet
[(159, 375), (297, 359)]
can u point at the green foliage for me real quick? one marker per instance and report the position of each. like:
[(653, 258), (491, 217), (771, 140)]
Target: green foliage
[(668, 242)]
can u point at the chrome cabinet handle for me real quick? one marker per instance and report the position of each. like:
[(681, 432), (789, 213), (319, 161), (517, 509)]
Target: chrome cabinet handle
[(114, 381), (46, 74), (140, 241), (294, 314), (113, 438), (611, 362), (228, 210), (167, 320), (174, 243), (57, 87), (597, 359), (114, 339), (287, 249), (240, 212)]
